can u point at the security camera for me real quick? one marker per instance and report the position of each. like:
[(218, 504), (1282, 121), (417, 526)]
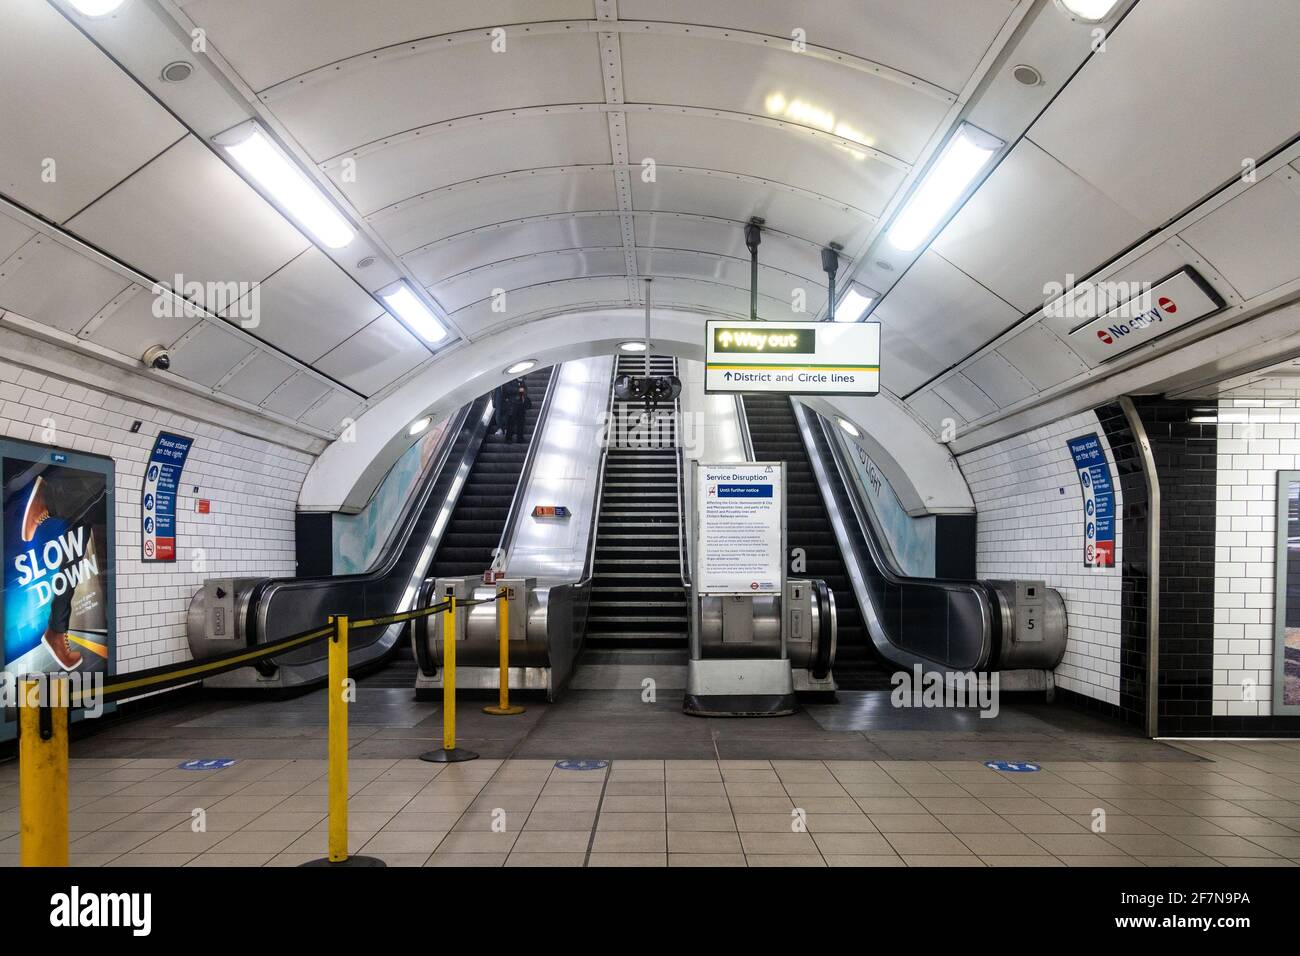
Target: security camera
[(157, 356)]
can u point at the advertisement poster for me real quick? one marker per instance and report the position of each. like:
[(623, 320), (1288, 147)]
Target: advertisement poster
[(162, 481), (1286, 643), (740, 527), (1098, 501), (58, 560)]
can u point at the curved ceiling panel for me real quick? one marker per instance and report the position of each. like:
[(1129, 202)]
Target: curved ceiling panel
[(525, 272), (939, 40), (510, 240), (252, 33), (462, 153), (719, 74), (355, 106), (727, 238), (478, 318), (784, 290)]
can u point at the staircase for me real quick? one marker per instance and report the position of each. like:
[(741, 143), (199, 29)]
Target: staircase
[(637, 597), (775, 436)]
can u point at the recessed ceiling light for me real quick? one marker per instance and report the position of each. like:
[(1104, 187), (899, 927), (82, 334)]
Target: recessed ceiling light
[(177, 72), (884, 266), (854, 303), (849, 427), (520, 367), (963, 157), (258, 156), (1026, 75), (366, 263), (419, 425), (1093, 11), (96, 8), (633, 346), (418, 317)]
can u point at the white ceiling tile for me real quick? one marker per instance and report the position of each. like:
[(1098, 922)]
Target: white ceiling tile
[(73, 106), (258, 379), (463, 290), (310, 306), (375, 357), (292, 398), (467, 153), (251, 33), (1033, 222), (511, 240), (1254, 240), (777, 289), (1182, 94), (478, 318), (965, 396), (207, 355), (135, 327), (12, 236), (1041, 357), (935, 412), (329, 414), (676, 231), (56, 286), (187, 213), (999, 380)]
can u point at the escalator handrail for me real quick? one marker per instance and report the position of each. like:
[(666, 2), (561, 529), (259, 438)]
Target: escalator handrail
[(742, 419), (824, 656), (526, 471), (589, 566), (876, 629)]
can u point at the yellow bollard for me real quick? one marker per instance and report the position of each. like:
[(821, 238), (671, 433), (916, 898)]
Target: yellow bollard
[(502, 707), (337, 684), (449, 753), (43, 770)]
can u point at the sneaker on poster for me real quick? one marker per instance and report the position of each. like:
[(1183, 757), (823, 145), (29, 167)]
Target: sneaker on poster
[(69, 658), (36, 511)]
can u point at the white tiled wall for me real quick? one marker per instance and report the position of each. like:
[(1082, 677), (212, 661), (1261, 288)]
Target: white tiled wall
[(252, 485), (1029, 512), (1257, 439)]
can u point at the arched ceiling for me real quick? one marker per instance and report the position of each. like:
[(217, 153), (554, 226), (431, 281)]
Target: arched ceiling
[(521, 159)]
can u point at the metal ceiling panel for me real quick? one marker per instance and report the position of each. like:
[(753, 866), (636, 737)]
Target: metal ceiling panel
[(187, 213), (510, 240), (770, 81), (937, 414), (1254, 240), (725, 237), (311, 305), (74, 109), (251, 33), (346, 109), (1041, 357), (966, 397), (478, 318), (134, 327), (999, 379), (937, 40), (12, 236), (208, 354), (329, 415), (458, 292), (296, 395), (55, 286), (1183, 93), (1034, 222), (783, 156), (262, 375), (449, 212), (729, 197), (781, 290), (473, 153), (375, 357)]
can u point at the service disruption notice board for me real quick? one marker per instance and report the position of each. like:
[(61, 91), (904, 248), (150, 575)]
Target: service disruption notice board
[(740, 519), (795, 358)]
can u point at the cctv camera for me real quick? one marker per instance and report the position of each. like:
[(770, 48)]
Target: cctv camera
[(157, 356)]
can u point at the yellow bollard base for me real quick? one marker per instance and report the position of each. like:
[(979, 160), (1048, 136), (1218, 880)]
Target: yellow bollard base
[(347, 861), (497, 711), (454, 755)]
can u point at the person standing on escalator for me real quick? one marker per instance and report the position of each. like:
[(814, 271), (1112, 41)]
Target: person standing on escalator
[(517, 403)]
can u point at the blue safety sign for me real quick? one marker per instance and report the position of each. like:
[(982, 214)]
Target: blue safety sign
[(1098, 501), (1012, 766), (158, 496), (206, 763), (581, 764)]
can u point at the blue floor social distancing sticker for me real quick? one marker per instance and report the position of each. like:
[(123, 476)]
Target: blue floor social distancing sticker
[(1012, 766), (206, 763), (581, 764)]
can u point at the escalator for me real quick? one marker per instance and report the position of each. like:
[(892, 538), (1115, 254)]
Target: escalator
[(447, 528), (775, 437)]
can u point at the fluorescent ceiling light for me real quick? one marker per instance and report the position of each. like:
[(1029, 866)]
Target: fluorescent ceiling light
[(287, 185), (966, 153), (520, 367), (417, 316), (854, 303), (96, 8), (849, 427), (419, 425), (1093, 11), (633, 346)]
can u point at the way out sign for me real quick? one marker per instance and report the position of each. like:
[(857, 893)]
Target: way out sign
[(796, 358)]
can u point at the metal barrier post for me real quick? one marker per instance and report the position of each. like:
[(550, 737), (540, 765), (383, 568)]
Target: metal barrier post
[(43, 770), (449, 752), (339, 692), (502, 707)]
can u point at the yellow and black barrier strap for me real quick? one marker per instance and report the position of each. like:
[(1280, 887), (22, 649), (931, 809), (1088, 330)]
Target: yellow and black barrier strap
[(174, 675)]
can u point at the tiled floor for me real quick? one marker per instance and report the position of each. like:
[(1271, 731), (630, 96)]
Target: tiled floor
[(1222, 803)]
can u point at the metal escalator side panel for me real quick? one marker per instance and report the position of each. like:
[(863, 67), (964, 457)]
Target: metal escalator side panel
[(910, 621), (525, 472)]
